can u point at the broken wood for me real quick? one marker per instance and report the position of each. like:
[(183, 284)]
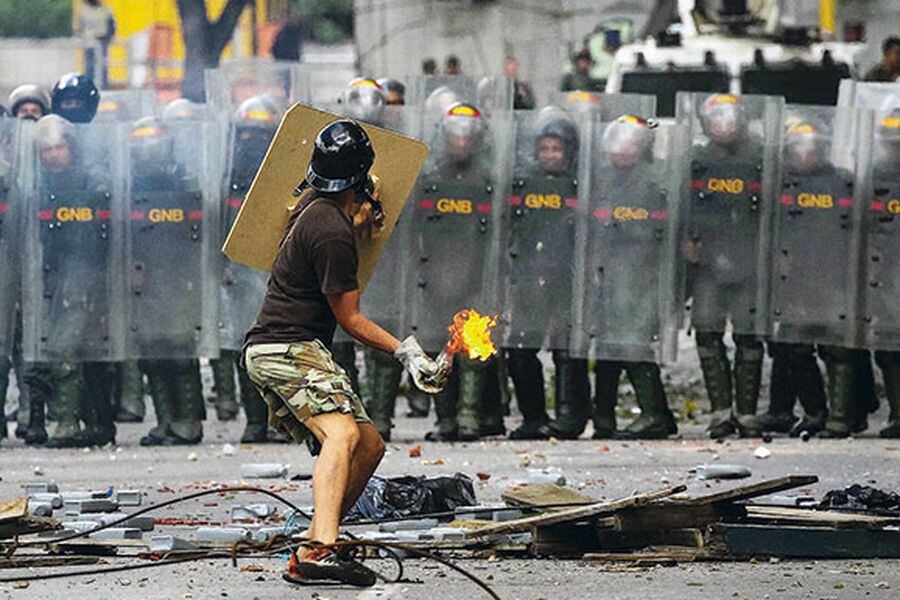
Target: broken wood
[(808, 542), (34, 562), (576, 514), (655, 556), (774, 515), (754, 490), (543, 494)]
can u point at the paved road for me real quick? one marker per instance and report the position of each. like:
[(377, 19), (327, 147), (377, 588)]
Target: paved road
[(599, 468)]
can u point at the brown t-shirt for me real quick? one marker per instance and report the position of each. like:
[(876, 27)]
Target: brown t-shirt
[(317, 257)]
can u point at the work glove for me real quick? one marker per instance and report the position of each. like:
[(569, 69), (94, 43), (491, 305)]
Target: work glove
[(425, 372)]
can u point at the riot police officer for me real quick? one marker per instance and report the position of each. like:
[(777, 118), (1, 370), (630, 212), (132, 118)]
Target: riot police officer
[(726, 174), (29, 101), (254, 123), (165, 297), (452, 235), (629, 211), (394, 90), (75, 263), (881, 241), (541, 243)]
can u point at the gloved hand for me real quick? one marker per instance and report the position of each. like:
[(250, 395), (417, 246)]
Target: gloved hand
[(425, 372)]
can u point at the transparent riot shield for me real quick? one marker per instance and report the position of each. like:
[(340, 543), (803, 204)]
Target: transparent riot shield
[(9, 229), (815, 247), (124, 106), (734, 157), (632, 285), (238, 80), (452, 255), (879, 97), (72, 280), (608, 106), (437, 92), (538, 247), (880, 167), (172, 238)]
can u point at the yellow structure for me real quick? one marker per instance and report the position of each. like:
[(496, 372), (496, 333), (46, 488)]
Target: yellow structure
[(148, 34)]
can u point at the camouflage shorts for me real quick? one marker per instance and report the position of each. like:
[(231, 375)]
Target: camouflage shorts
[(299, 381)]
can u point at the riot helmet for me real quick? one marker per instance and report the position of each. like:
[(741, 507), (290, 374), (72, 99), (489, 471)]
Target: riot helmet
[(364, 99), (489, 93), (887, 137), (627, 141), (806, 147), (440, 100), (150, 144), (75, 98), (55, 141), (394, 91), (463, 129), (258, 112), (111, 110), (555, 140), (582, 101), (182, 109), (29, 101), (255, 121), (341, 158), (723, 118)]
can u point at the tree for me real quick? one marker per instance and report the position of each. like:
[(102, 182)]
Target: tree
[(204, 41), (35, 18)]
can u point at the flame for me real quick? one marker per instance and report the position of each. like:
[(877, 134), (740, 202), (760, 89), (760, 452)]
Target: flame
[(471, 333)]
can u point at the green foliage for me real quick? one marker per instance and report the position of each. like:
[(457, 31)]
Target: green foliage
[(324, 21), (35, 18)]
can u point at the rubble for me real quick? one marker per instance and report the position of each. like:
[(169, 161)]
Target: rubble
[(117, 533), (722, 472), (40, 509), (128, 497), (223, 534), (53, 499), (251, 512), (90, 505), (168, 543), (40, 487), (264, 470)]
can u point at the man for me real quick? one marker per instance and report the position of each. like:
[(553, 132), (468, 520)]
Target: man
[(580, 78), (429, 66), (165, 278), (721, 251), (29, 102), (75, 98), (75, 261), (523, 96), (541, 244), (395, 91), (628, 211), (96, 25), (313, 288), (452, 210), (253, 125), (889, 68), (452, 65), (881, 237)]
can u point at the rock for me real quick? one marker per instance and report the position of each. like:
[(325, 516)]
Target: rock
[(223, 534), (410, 525), (264, 470), (722, 472), (762, 452)]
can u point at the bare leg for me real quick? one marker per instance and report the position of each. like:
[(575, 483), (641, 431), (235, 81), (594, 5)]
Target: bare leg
[(339, 435), (368, 455)]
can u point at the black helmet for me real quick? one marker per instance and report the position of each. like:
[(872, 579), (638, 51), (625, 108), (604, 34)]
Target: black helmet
[(553, 121), (29, 92), (75, 98), (341, 158)]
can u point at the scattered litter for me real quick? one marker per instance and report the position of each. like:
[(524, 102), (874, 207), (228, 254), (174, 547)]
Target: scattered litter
[(223, 534), (228, 450), (250, 512), (409, 496), (40, 509), (722, 471), (128, 497), (411, 525), (90, 505), (435, 462), (41, 487), (192, 457), (551, 476), (264, 470), (38, 470), (415, 451), (167, 543), (861, 497), (53, 499), (117, 533), (762, 452)]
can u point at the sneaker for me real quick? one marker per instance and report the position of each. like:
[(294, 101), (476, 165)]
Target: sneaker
[(322, 565)]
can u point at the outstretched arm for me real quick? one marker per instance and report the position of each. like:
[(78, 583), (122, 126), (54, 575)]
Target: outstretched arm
[(345, 307)]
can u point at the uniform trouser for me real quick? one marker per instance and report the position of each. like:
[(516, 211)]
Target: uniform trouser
[(59, 383), (129, 395), (737, 390), (527, 374), (796, 375), (459, 404), (645, 378), (573, 393), (344, 354), (223, 383), (850, 394), (889, 363), (384, 374), (177, 393), (491, 410), (98, 380), (5, 367)]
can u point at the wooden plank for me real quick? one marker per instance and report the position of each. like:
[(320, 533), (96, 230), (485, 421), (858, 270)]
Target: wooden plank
[(11, 510), (638, 540), (655, 556), (760, 488), (809, 542), (25, 525), (674, 515), (538, 494), (577, 514), (822, 518)]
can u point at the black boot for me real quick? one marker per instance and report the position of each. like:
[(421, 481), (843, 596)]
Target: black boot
[(840, 366), (656, 420), (889, 363), (864, 396), (747, 379), (717, 377), (490, 410), (572, 396), (606, 395), (527, 376)]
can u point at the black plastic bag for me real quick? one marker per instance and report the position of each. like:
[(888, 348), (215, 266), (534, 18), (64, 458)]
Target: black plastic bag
[(409, 496), (861, 497)]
